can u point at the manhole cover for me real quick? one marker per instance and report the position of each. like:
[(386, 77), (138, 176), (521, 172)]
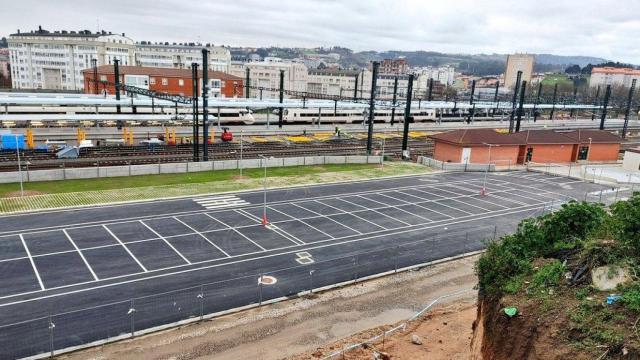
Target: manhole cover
[(267, 280)]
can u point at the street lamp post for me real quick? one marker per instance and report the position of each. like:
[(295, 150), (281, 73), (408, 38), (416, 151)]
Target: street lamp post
[(264, 184), (483, 192), (19, 166)]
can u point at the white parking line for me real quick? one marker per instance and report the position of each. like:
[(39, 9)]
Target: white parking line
[(364, 208), (352, 214), (95, 277), (237, 232), (125, 248), (302, 221), (166, 241), (288, 251), (273, 227), (33, 264), (326, 217), (204, 237), (403, 210)]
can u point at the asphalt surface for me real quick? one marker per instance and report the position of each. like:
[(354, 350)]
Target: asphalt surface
[(71, 277)]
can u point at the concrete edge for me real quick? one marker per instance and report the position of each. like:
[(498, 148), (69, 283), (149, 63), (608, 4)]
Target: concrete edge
[(252, 306), (218, 193)]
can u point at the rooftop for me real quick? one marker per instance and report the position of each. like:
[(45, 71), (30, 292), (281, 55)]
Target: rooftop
[(157, 71), (477, 137), (613, 70), (65, 33)]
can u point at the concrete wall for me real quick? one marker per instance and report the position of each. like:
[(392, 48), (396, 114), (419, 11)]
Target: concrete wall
[(173, 168), (631, 161), (451, 166)]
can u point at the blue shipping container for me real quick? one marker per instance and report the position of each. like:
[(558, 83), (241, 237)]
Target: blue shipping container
[(9, 142)]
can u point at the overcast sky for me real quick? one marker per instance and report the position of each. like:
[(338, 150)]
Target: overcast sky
[(589, 27)]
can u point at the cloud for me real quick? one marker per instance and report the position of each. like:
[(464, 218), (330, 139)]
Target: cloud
[(562, 27)]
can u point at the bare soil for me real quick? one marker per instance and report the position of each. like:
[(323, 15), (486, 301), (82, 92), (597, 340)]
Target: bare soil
[(445, 332), (26, 193), (306, 325)]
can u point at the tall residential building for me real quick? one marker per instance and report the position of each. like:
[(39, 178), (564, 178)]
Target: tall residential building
[(181, 56), (266, 74), (332, 82), (397, 66), (443, 74), (4, 63), (42, 59), (602, 76), (515, 63)]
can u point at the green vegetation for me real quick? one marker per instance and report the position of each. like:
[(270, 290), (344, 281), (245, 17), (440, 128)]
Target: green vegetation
[(173, 179), (54, 194), (545, 268), (561, 79)]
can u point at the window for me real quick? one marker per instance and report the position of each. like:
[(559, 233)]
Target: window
[(180, 82), (165, 82), (583, 153), (103, 77), (152, 81)]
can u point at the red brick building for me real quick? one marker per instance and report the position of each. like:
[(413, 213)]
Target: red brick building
[(167, 80), (543, 146)]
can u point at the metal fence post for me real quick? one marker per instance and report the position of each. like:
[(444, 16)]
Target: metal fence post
[(311, 281), (495, 232), (201, 296), (132, 312), (395, 265), (260, 289), (51, 326), (600, 199), (355, 269), (616, 197), (466, 242)]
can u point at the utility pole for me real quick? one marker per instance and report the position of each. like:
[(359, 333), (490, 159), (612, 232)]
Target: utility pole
[(94, 64), (523, 88), (395, 93), (355, 89), (495, 97), (575, 98), (247, 84), (473, 90), (407, 119), (607, 94), (595, 103), (535, 106), (628, 112), (116, 74), (553, 107), (194, 106), (205, 104), (372, 106), (280, 113), (514, 101)]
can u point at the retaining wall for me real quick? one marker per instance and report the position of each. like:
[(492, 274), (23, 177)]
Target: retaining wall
[(173, 168), (449, 166)]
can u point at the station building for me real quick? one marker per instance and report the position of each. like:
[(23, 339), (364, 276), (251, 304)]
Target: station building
[(168, 80), (482, 146)]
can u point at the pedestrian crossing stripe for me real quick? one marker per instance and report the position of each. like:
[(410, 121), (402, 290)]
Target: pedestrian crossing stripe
[(220, 201)]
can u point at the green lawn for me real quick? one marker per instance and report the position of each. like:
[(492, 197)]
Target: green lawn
[(66, 186), (560, 79), (57, 194)]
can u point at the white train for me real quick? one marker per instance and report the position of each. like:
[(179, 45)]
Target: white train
[(355, 116), (64, 116)]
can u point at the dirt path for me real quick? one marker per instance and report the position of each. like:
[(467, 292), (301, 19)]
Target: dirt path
[(302, 325)]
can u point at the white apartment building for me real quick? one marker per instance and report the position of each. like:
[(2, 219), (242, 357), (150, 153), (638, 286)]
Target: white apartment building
[(266, 74), (333, 82), (445, 75), (54, 60), (181, 56), (603, 76)]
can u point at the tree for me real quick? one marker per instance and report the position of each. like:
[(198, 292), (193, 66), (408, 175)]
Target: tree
[(3, 43), (573, 69)]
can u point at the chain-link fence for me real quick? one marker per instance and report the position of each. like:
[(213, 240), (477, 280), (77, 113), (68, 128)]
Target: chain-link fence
[(48, 335)]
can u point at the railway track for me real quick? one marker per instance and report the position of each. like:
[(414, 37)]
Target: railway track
[(140, 155)]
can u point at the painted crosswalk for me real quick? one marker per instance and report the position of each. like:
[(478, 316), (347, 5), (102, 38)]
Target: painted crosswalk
[(220, 201)]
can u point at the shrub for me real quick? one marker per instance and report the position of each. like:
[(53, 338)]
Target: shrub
[(631, 297), (548, 275), (626, 222)]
